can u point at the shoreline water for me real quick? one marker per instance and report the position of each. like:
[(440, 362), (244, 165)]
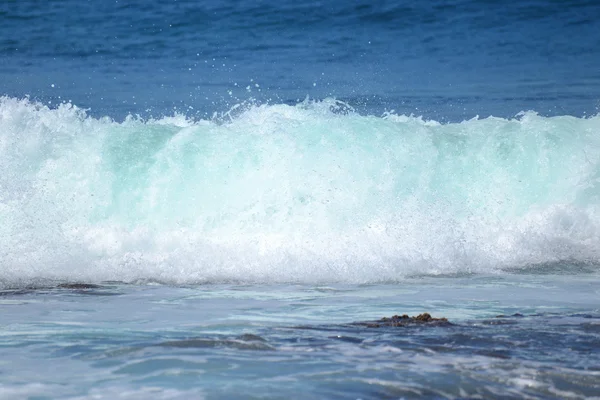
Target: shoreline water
[(215, 341)]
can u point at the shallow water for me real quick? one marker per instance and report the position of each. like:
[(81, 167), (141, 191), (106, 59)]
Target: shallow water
[(291, 341)]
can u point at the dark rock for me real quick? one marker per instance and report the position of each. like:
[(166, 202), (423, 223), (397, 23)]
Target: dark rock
[(79, 286), (508, 316), (405, 320), (425, 317)]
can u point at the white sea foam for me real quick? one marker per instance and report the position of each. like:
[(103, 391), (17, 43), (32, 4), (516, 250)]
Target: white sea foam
[(278, 193)]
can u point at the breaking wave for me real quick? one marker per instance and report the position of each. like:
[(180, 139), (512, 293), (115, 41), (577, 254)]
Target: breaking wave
[(276, 193)]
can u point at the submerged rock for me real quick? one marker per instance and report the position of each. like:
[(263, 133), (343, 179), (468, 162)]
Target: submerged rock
[(405, 320), (88, 289), (508, 316), (78, 286), (246, 341)]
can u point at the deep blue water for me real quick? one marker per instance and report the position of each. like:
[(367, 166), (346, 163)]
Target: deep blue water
[(446, 60), (201, 199)]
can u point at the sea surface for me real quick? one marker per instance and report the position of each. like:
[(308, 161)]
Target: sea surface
[(219, 199)]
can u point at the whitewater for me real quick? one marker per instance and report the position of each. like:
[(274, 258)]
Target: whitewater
[(305, 193)]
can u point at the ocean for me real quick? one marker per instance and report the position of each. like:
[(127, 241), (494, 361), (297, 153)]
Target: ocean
[(214, 200)]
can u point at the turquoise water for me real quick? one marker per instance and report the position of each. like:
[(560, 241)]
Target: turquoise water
[(312, 193)]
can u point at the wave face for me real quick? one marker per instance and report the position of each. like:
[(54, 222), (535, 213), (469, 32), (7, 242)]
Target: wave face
[(277, 193)]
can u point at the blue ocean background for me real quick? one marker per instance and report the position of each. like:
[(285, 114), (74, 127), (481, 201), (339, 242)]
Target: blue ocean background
[(190, 142), (194, 192), (446, 60)]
